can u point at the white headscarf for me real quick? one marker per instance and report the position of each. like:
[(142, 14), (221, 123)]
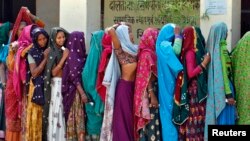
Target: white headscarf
[(126, 44)]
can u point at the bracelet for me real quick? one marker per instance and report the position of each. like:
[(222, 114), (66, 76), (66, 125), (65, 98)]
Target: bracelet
[(202, 66), (151, 89), (59, 66)]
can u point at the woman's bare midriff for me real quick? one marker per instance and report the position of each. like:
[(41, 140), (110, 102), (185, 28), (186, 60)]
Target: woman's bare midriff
[(129, 71)]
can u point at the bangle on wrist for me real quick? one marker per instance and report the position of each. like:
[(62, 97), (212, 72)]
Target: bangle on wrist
[(59, 66), (151, 89), (203, 66)]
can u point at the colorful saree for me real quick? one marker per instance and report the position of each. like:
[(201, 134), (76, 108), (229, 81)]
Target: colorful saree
[(216, 91), (123, 118), (13, 120), (4, 35), (241, 73), (36, 93), (168, 68), (89, 77), (13, 106), (193, 50), (106, 133), (106, 53), (55, 56), (146, 67), (72, 101), (23, 17), (20, 67)]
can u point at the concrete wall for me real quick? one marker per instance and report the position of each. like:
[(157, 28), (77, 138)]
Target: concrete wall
[(236, 22), (85, 15), (232, 19), (81, 15), (48, 11)]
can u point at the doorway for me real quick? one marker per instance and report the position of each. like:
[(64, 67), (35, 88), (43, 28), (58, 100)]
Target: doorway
[(245, 16), (10, 8)]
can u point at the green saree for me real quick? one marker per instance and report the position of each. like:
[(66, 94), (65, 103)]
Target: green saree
[(241, 73)]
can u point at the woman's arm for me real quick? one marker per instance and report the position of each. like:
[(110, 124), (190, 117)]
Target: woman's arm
[(82, 93), (178, 41), (34, 18), (192, 68), (115, 40), (24, 52), (224, 60), (37, 70), (59, 66), (151, 94)]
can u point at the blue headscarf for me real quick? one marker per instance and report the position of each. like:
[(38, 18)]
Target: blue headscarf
[(216, 92), (168, 68), (166, 35)]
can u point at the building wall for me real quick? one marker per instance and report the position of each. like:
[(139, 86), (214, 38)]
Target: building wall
[(81, 15), (141, 15), (236, 22), (85, 15), (48, 11), (232, 19)]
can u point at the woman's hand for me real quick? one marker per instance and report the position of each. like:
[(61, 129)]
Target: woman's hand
[(206, 60), (84, 97), (46, 53), (231, 101), (65, 53), (177, 30), (126, 23), (14, 45), (153, 100)]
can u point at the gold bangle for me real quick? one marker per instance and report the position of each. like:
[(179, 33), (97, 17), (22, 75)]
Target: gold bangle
[(59, 66)]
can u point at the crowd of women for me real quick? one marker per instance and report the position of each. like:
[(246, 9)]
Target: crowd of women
[(169, 87)]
